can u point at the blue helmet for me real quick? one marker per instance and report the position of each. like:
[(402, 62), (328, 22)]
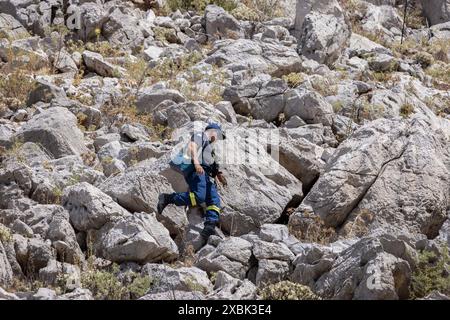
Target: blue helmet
[(217, 127)]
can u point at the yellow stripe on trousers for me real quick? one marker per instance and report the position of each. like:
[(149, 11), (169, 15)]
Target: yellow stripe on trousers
[(213, 208), (193, 201)]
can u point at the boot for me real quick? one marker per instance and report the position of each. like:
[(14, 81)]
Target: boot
[(209, 229), (164, 199)]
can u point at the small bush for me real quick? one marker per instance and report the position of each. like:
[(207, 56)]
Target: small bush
[(432, 274), (5, 234), (406, 110), (440, 73), (287, 290), (311, 228), (293, 79), (15, 88), (425, 59), (199, 5), (105, 285), (242, 12), (415, 18)]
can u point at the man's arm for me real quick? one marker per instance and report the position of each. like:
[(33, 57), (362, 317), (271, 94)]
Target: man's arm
[(192, 147)]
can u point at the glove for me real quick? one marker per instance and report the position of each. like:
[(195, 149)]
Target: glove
[(222, 179)]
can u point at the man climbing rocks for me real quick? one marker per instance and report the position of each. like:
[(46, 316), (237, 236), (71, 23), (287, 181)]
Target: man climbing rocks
[(200, 170)]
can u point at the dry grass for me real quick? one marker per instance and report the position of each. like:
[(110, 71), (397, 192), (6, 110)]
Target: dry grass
[(287, 290), (311, 228), (293, 79)]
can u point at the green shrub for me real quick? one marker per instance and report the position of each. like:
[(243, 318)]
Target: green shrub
[(432, 274), (293, 79), (105, 284), (287, 290), (199, 5), (5, 234)]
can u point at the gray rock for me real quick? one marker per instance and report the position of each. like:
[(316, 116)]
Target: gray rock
[(360, 46), (370, 269), (244, 54), (231, 255), (436, 11), (4, 295), (89, 207), (11, 28), (96, 63), (124, 29), (436, 295), (45, 92), (271, 271), (303, 159), (228, 288), (366, 180), (39, 253), (56, 130), (383, 63), (61, 272), (273, 232), (258, 189), (179, 279), (22, 229), (149, 98), (270, 250), (139, 238), (137, 190), (174, 295), (309, 106), (323, 35), (219, 23), (134, 132), (105, 139), (6, 273), (44, 294), (77, 294)]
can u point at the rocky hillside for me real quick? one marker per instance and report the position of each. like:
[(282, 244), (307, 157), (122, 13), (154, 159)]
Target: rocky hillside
[(95, 95)]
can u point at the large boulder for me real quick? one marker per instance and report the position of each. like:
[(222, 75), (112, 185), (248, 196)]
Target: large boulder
[(6, 273), (138, 238), (149, 98), (324, 31), (96, 63), (388, 171), (436, 11), (219, 23), (39, 177), (258, 98), (254, 55), (259, 188), (90, 208), (137, 190), (309, 106), (179, 279), (56, 130), (228, 288), (10, 28), (45, 91), (124, 29), (231, 256), (374, 268)]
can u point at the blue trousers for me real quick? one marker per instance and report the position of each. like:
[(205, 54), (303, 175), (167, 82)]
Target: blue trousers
[(201, 190)]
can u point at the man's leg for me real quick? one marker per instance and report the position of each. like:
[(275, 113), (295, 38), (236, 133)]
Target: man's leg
[(195, 196), (212, 210)]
